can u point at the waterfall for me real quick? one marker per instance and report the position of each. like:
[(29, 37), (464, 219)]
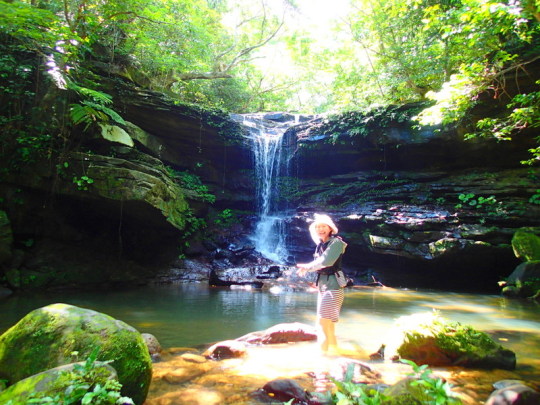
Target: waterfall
[(270, 163)]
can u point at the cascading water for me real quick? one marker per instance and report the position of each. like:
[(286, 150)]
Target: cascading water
[(266, 136)]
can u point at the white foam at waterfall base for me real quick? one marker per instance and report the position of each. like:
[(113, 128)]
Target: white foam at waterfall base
[(269, 238)]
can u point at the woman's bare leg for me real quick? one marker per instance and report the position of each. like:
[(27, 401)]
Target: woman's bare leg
[(329, 341)]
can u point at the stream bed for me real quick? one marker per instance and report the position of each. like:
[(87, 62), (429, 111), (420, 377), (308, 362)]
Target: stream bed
[(190, 317)]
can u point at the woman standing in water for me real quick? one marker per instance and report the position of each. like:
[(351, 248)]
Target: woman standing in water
[(330, 277)]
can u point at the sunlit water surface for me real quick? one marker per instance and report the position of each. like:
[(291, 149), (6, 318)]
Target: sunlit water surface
[(193, 315)]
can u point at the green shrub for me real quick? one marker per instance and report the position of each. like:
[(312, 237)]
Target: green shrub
[(85, 384)]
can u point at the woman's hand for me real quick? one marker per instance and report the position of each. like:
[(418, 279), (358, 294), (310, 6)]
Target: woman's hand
[(302, 269)]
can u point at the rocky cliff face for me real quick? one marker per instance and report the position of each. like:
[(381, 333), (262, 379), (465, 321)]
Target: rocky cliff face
[(418, 208), (117, 208)]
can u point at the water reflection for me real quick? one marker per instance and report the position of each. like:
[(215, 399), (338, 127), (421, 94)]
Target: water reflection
[(193, 314)]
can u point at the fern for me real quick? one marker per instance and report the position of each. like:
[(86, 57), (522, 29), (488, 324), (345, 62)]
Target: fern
[(93, 107), (89, 112), (108, 111), (97, 96)]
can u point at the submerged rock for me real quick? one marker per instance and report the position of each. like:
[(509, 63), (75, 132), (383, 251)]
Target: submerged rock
[(514, 394)]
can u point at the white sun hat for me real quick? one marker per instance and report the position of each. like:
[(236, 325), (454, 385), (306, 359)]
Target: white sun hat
[(321, 219)]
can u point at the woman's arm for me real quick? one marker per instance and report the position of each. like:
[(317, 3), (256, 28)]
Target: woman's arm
[(326, 259)]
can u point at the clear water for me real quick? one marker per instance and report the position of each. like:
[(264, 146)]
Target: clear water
[(195, 315)]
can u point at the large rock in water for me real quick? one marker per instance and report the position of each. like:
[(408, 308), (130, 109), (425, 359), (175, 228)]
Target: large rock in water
[(46, 337)]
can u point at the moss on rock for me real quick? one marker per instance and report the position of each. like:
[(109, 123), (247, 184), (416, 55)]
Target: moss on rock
[(526, 245), (48, 383), (46, 338), (439, 342)]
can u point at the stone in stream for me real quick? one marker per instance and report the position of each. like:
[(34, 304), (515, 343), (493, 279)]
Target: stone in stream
[(514, 393)]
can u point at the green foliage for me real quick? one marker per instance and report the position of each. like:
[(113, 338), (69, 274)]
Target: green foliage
[(82, 182), (348, 392), (61, 169), (92, 108), (370, 121), (31, 146), (524, 112), (430, 390), (472, 200), (193, 226), (434, 391), (85, 384), (532, 284), (457, 338), (535, 198), (226, 218), (192, 182), (31, 27)]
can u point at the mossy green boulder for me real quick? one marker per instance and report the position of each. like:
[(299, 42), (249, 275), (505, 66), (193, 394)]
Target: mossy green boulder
[(439, 342), (526, 245), (47, 337)]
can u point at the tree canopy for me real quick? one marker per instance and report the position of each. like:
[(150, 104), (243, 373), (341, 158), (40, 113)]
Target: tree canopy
[(257, 55)]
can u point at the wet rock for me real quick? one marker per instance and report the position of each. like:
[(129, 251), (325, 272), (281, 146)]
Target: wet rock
[(523, 282), (379, 354), (285, 389), (514, 394), (506, 383), (193, 358), (154, 348), (187, 270), (215, 281), (273, 272), (45, 337), (4, 292), (226, 349), (282, 333)]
